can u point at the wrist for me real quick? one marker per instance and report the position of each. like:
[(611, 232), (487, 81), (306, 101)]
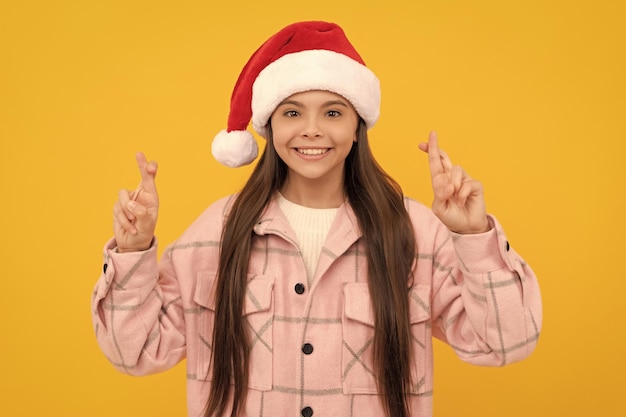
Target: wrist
[(483, 228), (139, 248)]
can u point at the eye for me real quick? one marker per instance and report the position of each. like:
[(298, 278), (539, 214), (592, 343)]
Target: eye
[(291, 113), (333, 113)]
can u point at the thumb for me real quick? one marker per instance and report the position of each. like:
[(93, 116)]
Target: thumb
[(145, 218), (136, 209)]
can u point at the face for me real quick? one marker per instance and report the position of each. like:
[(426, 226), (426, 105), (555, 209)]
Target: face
[(313, 133)]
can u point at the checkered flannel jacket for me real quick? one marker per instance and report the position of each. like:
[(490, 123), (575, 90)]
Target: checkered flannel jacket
[(312, 338)]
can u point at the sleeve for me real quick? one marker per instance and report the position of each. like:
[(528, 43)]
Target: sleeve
[(486, 302), (137, 312)]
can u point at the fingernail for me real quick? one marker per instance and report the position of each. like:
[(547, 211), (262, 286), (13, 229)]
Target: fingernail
[(132, 205)]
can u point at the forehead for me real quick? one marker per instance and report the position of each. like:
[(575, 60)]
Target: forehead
[(313, 97)]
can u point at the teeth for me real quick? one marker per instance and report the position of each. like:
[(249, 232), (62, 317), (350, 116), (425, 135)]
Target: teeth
[(312, 151)]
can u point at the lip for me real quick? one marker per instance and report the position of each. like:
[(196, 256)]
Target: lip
[(314, 153)]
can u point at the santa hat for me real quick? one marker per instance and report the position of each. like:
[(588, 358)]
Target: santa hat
[(301, 57)]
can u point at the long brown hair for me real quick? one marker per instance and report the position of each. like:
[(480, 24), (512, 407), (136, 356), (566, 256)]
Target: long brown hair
[(378, 203)]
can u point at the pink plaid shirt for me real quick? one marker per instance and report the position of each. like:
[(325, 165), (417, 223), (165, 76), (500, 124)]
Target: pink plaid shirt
[(312, 338)]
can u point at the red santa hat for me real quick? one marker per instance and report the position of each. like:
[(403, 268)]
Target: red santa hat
[(303, 56)]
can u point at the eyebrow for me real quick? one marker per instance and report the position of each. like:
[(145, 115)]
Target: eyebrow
[(326, 104)]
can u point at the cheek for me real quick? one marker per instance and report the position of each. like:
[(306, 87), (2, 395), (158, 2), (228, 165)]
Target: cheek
[(279, 140), (282, 132), (280, 146)]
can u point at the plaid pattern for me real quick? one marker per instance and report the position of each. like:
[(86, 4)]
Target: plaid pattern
[(314, 349)]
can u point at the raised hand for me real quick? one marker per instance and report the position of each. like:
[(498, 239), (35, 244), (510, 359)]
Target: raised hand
[(458, 199), (135, 213)]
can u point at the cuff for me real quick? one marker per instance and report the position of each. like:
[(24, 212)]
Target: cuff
[(118, 268), (479, 253)]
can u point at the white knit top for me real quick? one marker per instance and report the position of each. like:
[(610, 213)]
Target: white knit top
[(311, 226)]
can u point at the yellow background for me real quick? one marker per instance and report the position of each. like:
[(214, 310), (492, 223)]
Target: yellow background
[(528, 96)]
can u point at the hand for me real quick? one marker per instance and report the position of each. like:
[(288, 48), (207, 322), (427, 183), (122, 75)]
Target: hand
[(459, 200), (135, 213)]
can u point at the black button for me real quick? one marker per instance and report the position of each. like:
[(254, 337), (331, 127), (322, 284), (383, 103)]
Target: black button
[(307, 412), (307, 348), (104, 268), (507, 246), (299, 288)]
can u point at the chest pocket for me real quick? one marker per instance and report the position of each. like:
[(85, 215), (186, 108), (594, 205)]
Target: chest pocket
[(358, 340), (259, 315)]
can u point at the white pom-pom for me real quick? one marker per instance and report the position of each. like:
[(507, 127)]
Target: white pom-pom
[(234, 149)]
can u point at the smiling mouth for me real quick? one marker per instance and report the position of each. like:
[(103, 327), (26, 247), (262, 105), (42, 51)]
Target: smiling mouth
[(309, 151)]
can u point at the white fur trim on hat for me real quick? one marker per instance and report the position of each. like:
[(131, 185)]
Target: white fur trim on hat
[(316, 69), (234, 149)]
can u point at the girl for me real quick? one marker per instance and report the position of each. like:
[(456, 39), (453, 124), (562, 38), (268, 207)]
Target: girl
[(317, 289)]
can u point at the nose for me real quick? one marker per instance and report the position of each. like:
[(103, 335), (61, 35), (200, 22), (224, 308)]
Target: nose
[(311, 128)]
